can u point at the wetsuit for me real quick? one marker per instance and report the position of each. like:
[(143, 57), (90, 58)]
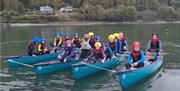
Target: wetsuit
[(111, 49), (96, 55), (136, 56)]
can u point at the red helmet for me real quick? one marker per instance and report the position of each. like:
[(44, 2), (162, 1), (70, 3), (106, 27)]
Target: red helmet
[(136, 44)]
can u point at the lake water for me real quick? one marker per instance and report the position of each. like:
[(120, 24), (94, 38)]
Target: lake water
[(14, 41)]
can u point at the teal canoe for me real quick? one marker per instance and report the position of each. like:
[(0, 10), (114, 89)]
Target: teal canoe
[(29, 60), (82, 71), (54, 66), (130, 78)]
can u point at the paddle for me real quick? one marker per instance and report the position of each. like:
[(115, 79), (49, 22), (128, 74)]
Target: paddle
[(125, 55), (113, 71), (12, 57), (27, 65)]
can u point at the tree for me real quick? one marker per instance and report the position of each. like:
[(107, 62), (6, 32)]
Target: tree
[(166, 12), (148, 15)]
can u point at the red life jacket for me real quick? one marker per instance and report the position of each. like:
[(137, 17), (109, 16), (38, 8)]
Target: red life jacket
[(76, 41), (154, 43), (112, 45), (67, 39), (135, 56), (43, 45), (98, 53)]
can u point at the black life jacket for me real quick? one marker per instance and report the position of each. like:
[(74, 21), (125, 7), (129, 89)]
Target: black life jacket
[(135, 56), (76, 41), (92, 42), (98, 53), (31, 46), (154, 44), (57, 39)]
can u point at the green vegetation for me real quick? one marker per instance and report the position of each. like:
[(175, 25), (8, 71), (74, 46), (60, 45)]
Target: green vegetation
[(91, 10)]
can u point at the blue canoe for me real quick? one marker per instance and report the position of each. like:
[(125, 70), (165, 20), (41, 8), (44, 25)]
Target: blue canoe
[(53, 67), (130, 78), (17, 61), (81, 71)]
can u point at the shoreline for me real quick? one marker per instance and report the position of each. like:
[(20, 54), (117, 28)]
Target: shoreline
[(86, 23)]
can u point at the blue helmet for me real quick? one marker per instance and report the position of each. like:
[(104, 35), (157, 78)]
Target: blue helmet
[(76, 34), (58, 33), (35, 39), (43, 39), (67, 35), (98, 38)]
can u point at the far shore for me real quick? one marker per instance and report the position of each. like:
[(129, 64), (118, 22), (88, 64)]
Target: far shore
[(86, 23)]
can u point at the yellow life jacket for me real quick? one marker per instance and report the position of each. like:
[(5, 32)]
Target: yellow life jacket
[(57, 41)]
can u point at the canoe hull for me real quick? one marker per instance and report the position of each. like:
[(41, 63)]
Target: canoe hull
[(83, 71), (49, 68), (130, 78), (30, 60)]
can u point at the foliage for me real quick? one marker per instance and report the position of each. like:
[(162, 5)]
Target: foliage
[(100, 10)]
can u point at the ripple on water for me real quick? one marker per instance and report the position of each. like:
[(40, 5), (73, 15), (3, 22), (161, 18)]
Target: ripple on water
[(169, 81), (15, 85)]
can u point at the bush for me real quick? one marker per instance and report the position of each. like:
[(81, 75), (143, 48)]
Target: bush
[(148, 15), (166, 13), (122, 13)]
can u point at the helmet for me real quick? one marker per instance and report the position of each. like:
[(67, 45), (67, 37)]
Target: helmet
[(58, 33), (98, 44), (67, 35), (91, 34), (136, 44), (76, 34), (43, 39), (35, 39), (111, 37), (98, 38), (116, 35)]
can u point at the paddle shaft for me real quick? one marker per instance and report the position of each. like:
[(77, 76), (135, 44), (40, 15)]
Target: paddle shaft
[(98, 67), (27, 65)]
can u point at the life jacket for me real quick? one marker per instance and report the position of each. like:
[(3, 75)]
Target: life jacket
[(112, 45), (135, 56), (85, 40), (85, 44), (57, 40), (31, 46), (76, 41), (36, 48), (98, 53), (92, 42), (43, 46), (154, 44)]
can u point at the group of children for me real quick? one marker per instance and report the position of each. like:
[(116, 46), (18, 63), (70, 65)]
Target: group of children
[(92, 49)]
